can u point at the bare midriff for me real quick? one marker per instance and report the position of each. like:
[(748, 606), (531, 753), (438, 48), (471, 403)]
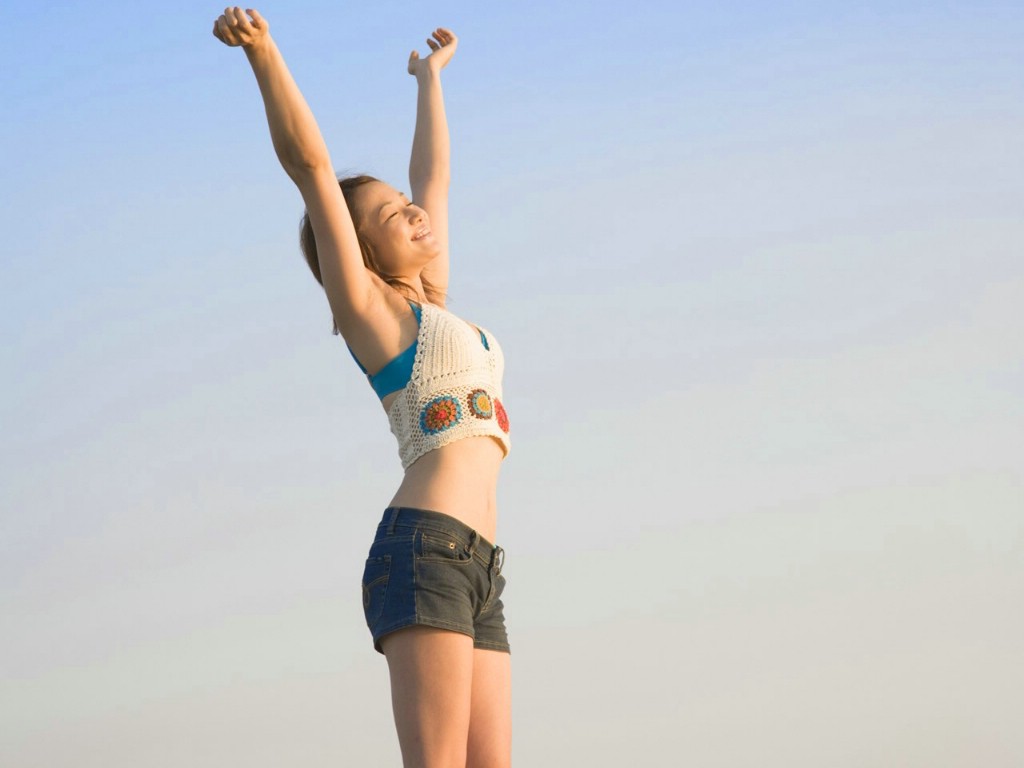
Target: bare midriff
[(459, 479)]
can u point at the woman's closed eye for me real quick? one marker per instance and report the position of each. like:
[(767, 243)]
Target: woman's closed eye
[(389, 218)]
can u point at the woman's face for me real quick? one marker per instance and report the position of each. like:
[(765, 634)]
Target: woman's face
[(397, 230)]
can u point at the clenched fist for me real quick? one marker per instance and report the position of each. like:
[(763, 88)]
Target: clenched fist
[(235, 28)]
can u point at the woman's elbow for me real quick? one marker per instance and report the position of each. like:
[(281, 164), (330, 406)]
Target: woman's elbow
[(303, 168)]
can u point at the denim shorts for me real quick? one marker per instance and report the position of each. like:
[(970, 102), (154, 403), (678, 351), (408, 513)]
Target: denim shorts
[(426, 567)]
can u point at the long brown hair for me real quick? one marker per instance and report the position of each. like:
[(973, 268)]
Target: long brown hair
[(307, 242)]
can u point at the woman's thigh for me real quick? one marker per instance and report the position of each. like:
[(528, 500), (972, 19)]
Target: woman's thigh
[(431, 687), (490, 720)]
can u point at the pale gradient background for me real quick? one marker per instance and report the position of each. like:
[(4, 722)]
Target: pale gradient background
[(757, 271)]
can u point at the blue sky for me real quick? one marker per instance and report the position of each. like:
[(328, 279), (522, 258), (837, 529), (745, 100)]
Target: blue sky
[(756, 272)]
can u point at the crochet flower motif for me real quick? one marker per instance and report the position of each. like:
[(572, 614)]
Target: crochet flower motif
[(502, 416), (480, 404), (440, 414)]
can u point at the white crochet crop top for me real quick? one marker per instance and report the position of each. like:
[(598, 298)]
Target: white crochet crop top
[(454, 390)]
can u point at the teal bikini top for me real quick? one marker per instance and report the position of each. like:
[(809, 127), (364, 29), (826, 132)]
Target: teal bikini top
[(396, 374)]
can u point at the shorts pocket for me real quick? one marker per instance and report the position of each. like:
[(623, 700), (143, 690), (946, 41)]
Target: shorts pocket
[(375, 587), (436, 546)]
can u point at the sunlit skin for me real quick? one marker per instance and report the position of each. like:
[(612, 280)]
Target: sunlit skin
[(451, 701)]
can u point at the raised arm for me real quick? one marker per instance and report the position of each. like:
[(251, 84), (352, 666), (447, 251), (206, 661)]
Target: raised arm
[(303, 154), (430, 165)]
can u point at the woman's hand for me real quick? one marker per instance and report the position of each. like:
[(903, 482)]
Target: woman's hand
[(441, 52), (234, 28)]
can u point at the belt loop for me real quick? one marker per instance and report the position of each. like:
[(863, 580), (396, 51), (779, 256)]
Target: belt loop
[(392, 519), (473, 536)]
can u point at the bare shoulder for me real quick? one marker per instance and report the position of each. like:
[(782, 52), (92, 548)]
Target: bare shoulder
[(382, 329)]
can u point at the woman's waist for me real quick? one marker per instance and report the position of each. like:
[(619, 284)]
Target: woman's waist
[(459, 479)]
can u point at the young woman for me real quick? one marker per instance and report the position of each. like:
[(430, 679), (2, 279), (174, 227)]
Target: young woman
[(432, 581)]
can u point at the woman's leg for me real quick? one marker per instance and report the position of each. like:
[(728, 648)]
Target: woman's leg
[(490, 721), (431, 686)]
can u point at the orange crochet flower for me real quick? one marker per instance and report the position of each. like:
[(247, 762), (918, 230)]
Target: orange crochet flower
[(440, 414)]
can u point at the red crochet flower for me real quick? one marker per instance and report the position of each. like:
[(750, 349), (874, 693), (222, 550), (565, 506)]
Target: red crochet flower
[(499, 410)]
